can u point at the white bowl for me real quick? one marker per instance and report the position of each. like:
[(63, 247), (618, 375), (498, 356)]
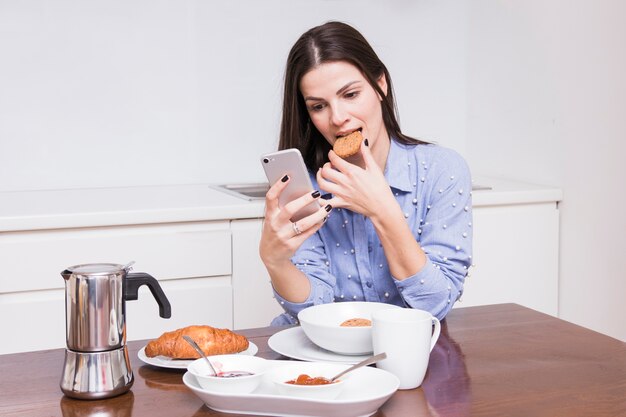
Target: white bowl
[(280, 375), (321, 324), (229, 363)]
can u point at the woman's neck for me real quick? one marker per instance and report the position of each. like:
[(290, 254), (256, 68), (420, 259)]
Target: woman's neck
[(380, 151)]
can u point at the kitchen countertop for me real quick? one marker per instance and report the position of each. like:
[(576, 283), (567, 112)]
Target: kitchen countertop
[(96, 207)]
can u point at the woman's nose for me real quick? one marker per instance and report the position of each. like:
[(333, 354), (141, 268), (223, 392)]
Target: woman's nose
[(338, 115)]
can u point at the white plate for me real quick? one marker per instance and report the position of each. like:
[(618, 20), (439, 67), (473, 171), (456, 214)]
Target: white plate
[(366, 390), (165, 362), (294, 344)]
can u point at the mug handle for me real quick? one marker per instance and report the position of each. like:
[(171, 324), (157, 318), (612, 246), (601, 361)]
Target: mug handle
[(436, 332)]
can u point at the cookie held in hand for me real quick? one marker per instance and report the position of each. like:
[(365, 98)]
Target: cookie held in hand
[(349, 145)]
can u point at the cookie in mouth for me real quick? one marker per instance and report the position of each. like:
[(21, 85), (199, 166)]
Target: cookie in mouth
[(348, 145)]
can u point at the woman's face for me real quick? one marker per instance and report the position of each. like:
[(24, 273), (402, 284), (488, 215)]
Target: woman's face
[(340, 100)]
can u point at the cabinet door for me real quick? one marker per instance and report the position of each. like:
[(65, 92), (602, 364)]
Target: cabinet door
[(36, 320), (32, 321), (253, 298), (515, 257), (202, 301), (192, 262), (34, 260)]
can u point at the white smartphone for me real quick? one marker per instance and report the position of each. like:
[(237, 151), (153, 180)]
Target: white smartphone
[(289, 162)]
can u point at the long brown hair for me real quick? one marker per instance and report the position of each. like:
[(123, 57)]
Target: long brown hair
[(330, 42)]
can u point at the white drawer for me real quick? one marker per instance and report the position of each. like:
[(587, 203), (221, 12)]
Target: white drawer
[(253, 298), (516, 252), (32, 321), (34, 260), (36, 320), (194, 301)]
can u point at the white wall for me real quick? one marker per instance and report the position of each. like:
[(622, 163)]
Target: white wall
[(547, 103), (142, 92)]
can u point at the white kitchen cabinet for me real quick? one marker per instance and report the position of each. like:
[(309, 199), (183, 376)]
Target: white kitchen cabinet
[(253, 298), (204, 300), (32, 320), (515, 257), (33, 260), (192, 262)]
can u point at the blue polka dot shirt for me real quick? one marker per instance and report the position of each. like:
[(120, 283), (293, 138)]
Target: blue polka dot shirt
[(344, 261)]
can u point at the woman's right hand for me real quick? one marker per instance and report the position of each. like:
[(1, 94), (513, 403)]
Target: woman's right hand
[(280, 237)]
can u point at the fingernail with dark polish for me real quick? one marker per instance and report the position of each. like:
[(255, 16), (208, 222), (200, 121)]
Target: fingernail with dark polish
[(285, 178), (325, 218), (328, 207), (367, 142), (315, 194)]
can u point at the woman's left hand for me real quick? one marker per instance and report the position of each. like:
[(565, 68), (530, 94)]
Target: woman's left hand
[(362, 190)]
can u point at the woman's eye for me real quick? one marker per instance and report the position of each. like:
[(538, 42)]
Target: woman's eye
[(317, 107), (352, 94)]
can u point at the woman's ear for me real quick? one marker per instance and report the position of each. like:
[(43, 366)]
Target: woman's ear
[(382, 83)]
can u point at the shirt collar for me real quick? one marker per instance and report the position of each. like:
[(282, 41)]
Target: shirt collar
[(397, 168)]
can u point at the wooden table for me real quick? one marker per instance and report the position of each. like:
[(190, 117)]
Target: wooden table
[(499, 360)]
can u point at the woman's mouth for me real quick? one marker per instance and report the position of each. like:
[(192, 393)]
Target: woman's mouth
[(346, 133)]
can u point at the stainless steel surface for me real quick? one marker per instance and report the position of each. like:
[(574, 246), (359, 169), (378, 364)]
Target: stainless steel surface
[(257, 191), (94, 307), (200, 351), (364, 362), (477, 187), (249, 191), (96, 359), (129, 266), (96, 375)]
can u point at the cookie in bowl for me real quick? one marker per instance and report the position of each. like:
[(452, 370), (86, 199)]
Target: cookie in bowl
[(322, 324)]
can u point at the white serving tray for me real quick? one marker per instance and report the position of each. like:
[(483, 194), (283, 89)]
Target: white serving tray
[(366, 390)]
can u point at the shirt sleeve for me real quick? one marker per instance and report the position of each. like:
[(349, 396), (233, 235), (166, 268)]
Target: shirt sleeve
[(311, 259), (445, 235)]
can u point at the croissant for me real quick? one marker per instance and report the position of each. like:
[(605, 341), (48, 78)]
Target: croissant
[(212, 341)]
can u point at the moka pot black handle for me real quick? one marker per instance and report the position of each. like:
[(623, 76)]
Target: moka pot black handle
[(134, 280)]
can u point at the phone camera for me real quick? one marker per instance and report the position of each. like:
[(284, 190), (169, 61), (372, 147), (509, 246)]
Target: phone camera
[(265, 160)]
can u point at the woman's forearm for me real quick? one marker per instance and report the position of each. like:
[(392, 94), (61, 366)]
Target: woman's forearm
[(288, 281), (404, 255)]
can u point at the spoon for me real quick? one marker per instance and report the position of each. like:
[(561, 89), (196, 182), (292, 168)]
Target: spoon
[(364, 362), (197, 348)]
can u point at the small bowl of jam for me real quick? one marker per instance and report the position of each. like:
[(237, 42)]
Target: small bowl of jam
[(310, 380), (236, 374)]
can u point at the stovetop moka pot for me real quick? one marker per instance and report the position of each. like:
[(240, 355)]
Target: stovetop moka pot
[(96, 359)]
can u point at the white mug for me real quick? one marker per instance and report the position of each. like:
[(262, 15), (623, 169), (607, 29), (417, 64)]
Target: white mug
[(407, 336)]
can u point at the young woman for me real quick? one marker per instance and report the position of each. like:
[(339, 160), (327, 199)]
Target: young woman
[(400, 230)]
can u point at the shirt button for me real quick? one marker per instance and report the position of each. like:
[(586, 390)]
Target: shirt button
[(369, 284), (369, 248)]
